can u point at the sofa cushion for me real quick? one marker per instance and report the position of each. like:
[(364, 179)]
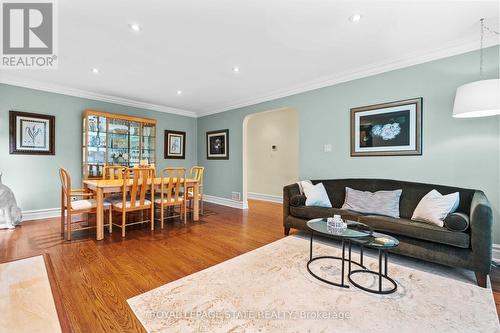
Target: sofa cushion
[(417, 230), (434, 207), (379, 202), (310, 213), (456, 222), (316, 195)]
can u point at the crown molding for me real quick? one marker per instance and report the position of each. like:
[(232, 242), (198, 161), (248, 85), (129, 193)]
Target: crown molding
[(53, 88), (456, 48)]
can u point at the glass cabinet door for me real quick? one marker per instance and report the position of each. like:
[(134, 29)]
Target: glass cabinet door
[(118, 142), (135, 143), (96, 145), (148, 143)]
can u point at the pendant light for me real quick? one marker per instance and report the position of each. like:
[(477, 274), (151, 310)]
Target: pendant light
[(480, 98)]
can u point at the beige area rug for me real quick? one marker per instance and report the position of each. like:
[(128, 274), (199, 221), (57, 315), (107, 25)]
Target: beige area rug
[(270, 290), (26, 301)]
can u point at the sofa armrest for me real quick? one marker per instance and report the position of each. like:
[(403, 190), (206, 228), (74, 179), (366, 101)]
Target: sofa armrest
[(481, 222), (288, 192)]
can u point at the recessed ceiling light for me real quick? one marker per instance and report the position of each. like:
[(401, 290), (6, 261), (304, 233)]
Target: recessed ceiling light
[(135, 27), (355, 18), (95, 70), (236, 69), (179, 92)]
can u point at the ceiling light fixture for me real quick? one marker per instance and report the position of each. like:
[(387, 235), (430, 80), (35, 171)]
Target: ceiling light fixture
[(179, 92), (479, 98), (236, 69), (135, 27), (355, 18), (95, 70)]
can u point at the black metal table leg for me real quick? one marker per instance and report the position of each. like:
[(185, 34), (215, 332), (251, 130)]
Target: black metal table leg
[(380, 270), (349, 256), (311, 247), (385, 264), (381, 274), (361, 254), (343, 260)]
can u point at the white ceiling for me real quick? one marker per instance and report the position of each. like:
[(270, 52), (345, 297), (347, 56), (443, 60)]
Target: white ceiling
[(281, 46)]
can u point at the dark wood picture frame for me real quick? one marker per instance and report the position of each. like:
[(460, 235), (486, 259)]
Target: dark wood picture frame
[(418, 129), (167, 154), (224, 132), (13, 133)]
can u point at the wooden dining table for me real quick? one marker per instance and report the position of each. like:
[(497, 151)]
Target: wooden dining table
[(103, 186)]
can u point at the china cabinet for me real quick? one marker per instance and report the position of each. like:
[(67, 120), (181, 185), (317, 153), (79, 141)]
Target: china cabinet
[(115, 139)]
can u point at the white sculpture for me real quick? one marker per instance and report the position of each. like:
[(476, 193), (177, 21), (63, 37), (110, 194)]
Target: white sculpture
[(10, 214)]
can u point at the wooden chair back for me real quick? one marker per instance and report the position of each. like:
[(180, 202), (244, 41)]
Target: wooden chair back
[(65, 187), (112, 172), (141, 181), (196, 173), (172, 181)]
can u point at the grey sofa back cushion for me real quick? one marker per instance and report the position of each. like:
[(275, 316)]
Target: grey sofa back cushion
[(412, 192), (380, 202)]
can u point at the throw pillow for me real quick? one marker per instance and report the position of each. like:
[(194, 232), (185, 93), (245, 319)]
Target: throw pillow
[(380, 203), (434, 207), (316, 195), (456, 222)]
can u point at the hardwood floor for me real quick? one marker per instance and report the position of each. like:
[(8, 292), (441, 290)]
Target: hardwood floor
[(96, 278)]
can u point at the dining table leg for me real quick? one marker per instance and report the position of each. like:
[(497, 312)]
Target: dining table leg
[(196, 203), (100, 213)]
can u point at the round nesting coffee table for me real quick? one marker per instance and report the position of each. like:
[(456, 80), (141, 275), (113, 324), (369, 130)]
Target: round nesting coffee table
[(355, 230), (373, 243)]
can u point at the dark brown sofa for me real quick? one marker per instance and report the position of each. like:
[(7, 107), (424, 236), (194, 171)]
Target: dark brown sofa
[(470, 249)]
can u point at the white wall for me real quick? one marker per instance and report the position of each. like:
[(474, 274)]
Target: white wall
[(269, 170)]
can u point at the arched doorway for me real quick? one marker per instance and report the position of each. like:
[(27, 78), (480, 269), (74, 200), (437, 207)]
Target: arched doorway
[(270, 153)]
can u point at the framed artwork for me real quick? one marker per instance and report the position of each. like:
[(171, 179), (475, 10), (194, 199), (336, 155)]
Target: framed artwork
[(175, 144), (218, 145), (387, 129), (31, 133)]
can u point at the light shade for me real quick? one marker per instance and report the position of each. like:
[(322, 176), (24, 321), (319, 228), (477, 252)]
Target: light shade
[(477, 99)]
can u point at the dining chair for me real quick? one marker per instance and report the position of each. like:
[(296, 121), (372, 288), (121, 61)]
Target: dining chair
[(70, 207), (136, 183), (112, 172), (173, 182), (196, 173)]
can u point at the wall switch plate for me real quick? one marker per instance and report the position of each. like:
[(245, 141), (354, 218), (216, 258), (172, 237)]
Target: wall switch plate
[(328, 148), (236, 196)]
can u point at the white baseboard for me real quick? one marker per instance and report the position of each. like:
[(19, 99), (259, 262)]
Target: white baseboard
[(496, 252), (225, 201), (39, 214), (265, 197)]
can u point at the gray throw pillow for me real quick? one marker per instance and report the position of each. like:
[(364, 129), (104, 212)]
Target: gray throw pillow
[(456, 222), (380, 203)]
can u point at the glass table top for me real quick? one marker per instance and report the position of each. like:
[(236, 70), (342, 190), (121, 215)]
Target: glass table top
[(379, 241), (353, 230)]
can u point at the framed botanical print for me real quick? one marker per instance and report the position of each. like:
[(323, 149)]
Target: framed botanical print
[(387, 129), (31, 133), (175, 144), (218, 145)]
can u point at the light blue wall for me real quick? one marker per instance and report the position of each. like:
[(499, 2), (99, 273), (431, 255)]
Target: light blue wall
[(459, 152), (34, 179)]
